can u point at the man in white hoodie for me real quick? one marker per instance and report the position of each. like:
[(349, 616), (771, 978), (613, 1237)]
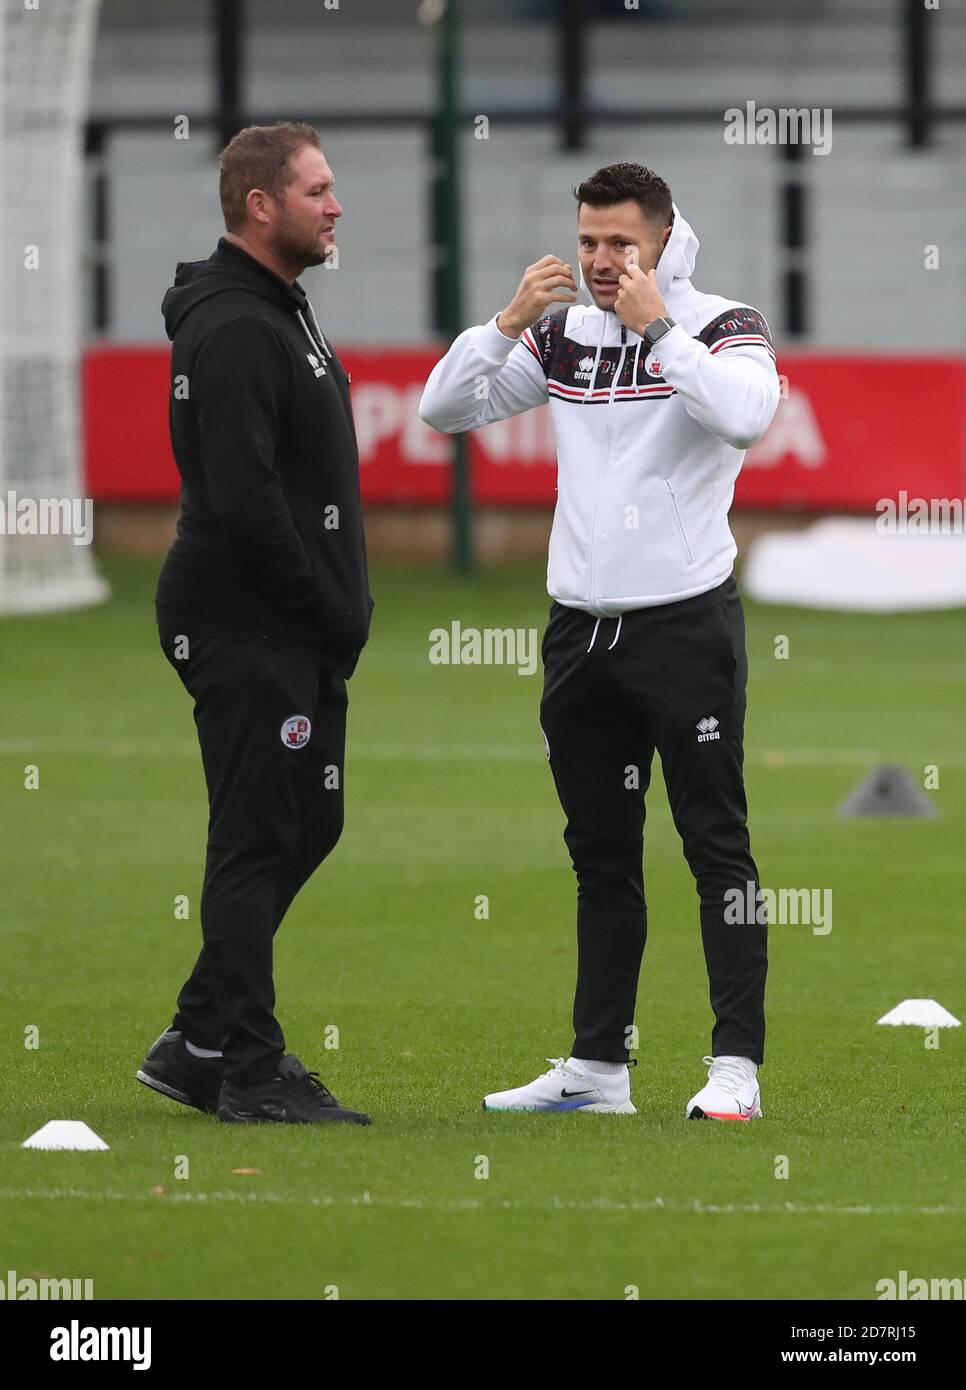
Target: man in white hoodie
[(655, 391)]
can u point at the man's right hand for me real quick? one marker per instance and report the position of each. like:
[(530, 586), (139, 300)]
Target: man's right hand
[(547, 281)]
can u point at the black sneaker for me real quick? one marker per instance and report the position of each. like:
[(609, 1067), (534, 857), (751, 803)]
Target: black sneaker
[(171, 1069), (293, 1097)]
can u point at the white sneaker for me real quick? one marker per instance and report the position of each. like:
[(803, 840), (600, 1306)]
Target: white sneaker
[(731, 1093), (566, 1086)]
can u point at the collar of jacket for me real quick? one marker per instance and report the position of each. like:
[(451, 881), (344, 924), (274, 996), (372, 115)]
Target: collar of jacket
[(229, 255)]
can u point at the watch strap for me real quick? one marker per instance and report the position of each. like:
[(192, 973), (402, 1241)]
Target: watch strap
[(656, 329)]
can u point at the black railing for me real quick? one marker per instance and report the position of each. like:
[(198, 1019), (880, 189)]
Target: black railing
[(575, 118)]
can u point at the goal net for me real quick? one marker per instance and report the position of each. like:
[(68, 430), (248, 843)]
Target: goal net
[(46, 560)]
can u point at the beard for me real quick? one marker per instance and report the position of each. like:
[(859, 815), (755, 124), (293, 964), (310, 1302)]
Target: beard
[(299, 246)]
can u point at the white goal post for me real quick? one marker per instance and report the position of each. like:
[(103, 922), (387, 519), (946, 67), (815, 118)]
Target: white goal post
[(46, 560)]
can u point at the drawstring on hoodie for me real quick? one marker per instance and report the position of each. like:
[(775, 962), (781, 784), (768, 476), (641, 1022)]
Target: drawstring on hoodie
[(319, 342), (593, 371), (618, 370), (315, 325), (593, 375), (637, 358)]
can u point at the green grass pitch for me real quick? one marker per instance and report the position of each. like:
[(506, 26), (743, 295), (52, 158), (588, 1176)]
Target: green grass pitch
[(449, 797)]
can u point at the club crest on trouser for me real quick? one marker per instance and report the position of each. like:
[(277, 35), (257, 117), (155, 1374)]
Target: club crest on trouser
[(296, 731)]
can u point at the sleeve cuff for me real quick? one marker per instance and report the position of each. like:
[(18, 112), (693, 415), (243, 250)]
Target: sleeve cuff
[(493, 344)]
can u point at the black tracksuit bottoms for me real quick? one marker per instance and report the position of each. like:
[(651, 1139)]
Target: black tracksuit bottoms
[(670, 678), (271, 726)]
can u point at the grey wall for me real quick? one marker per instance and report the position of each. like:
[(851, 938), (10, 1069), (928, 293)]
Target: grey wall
[(873, 205)]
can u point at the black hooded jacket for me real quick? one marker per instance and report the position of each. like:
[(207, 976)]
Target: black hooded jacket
[(270, 546)]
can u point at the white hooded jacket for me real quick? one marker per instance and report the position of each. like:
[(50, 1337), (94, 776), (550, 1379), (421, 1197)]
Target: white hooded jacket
[(649, 444)]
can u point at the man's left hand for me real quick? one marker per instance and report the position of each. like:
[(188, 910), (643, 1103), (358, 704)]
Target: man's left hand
[(639, 300)]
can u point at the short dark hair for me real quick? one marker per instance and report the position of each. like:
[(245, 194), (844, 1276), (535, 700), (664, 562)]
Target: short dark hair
[(259, 157), (624, 183)]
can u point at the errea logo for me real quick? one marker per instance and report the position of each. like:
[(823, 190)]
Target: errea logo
[(707, 729), (584, 368), (315, 364)]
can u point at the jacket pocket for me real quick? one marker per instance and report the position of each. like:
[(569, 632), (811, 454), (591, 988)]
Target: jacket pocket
[(679, 522)]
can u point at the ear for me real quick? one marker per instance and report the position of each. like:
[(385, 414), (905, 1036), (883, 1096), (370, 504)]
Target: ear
[(666, 234), (255, 202)]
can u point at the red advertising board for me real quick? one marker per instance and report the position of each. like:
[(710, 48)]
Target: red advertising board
[(849, 431)]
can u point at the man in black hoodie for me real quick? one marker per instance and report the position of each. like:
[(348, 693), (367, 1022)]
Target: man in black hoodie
[(263, 607)]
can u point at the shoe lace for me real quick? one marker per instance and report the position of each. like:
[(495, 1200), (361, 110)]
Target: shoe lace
[(315, 1084), (559, 1064), (729, 1075), (318, 1092)]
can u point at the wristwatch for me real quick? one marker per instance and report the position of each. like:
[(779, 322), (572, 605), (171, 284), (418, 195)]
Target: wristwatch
[(656, 330)]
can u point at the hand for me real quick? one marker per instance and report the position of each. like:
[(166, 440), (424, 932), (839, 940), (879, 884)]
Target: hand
[(547, 281), (639, 300)]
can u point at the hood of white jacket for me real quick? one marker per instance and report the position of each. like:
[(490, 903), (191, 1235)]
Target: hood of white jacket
[(674, 269)]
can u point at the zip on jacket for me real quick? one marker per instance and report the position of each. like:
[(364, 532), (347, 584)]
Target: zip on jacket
[(648, 444)]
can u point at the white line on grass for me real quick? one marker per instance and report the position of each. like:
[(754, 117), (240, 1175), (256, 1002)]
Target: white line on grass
[(362, 750), (365, 1199)]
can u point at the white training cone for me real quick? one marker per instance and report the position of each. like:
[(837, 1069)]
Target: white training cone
[(64, 1134), (922, 1013)]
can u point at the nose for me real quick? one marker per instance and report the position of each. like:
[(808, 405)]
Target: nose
[(334, 208)]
